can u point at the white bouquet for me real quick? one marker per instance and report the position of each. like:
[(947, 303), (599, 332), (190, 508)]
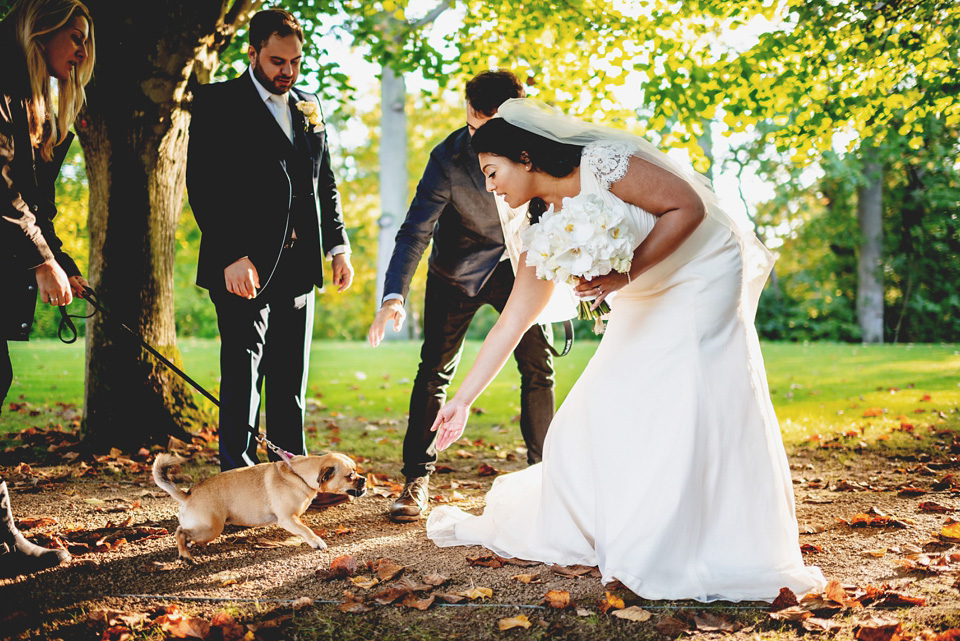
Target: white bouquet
[(585, 239)]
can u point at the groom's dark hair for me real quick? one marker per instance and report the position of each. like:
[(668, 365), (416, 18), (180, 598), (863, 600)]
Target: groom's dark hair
[(487, 90), (265, 23)]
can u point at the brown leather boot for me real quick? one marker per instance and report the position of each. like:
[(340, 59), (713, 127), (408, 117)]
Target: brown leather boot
[(17, 554), (413, 500)]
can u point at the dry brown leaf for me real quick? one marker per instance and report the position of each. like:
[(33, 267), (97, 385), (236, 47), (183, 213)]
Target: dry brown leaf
[(715, 622), (363, 582), (785, 599), (671, 626), (410, 585), (387, 569), (571, 571), (611, 602), (180, 627), (486, 561), (633, 613), (342, 567), (527, 578), (301, 602), (449, 598), (877, 553), (30, 522), (353, 605), (413, 601), (876, 628), (933, 508), (558, 599), (389, 595), (477, 593), (815, 624), (791, 613), (435, 579), (519, 621)]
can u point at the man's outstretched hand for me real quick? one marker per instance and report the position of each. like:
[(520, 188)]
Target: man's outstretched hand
[(392, 310)]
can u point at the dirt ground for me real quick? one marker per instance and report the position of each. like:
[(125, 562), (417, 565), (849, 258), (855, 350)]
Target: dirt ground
[(870, 520)]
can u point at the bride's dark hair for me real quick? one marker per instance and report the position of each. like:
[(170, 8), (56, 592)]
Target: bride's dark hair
[(497, 136)]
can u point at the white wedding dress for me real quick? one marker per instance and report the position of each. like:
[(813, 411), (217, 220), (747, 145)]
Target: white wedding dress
[(664, 466)]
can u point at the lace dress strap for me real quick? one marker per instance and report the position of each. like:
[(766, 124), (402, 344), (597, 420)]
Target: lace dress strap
[(608, 160)]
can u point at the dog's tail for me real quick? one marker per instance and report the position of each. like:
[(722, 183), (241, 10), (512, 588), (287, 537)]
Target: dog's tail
[(160, 465)]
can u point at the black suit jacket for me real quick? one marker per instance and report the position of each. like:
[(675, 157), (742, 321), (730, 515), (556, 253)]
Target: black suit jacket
[(248, 184), (453, 207)]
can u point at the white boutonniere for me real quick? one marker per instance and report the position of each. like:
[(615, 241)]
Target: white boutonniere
[(311, 115)]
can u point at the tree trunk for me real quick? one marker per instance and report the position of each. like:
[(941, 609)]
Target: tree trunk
[(869, 268), (134, 136), (393, 176)]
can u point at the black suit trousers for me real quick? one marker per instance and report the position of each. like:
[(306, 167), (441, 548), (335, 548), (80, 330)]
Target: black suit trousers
[(264, 346), (447, 313)]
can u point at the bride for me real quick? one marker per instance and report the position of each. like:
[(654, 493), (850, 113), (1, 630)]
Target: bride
[(664, 466)]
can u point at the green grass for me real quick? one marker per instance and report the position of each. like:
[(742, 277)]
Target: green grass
[(819, 389)]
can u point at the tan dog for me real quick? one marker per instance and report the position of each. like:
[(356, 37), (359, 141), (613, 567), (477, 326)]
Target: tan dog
[(257, 495)]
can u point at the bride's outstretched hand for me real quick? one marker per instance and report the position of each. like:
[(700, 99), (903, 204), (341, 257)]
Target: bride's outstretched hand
[(450, 423)]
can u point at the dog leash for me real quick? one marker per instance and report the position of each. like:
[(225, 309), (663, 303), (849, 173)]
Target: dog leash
[(67, 327)]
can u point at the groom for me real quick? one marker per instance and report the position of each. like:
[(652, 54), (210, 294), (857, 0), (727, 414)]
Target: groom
[(468, 268), (263, 193)]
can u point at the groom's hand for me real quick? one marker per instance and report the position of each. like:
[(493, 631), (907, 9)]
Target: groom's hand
[(391, 310), (241, 278), (342, 271)]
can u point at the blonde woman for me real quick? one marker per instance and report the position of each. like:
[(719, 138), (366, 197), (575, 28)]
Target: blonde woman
[(41, 41)]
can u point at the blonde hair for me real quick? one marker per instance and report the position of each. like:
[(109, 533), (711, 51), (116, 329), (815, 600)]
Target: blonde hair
[(33, 22)]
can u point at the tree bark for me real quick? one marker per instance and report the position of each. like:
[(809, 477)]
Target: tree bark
[(134, 136), (869, 266)]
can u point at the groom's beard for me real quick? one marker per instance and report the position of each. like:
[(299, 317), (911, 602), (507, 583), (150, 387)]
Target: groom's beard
[(271, 84)]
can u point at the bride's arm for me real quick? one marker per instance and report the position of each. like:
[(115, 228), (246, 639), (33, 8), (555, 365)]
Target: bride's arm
[(678, 208), (527, 299)]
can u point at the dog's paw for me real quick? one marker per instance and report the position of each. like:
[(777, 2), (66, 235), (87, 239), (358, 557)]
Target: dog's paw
[(319, 544)]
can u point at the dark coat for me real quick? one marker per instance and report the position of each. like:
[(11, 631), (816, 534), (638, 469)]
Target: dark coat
[(247, 184), (27, 192), (453, 207)]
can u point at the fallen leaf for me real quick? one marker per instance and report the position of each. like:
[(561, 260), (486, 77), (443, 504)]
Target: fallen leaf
[(363, 582), (527, 578), (387, 569), (488, 561), (181, 627), (413, 601), (611, 602), (785, 599), (477, 593), (352, 605), (571, 571), (791, 613), (950, 531), (933, 508), (671, 627), (633, 613), (877, 553), (715, 622), (341, 567), (815, 624), (449, 598), (557, 599), (519, 621), (301, 602), (435, 579), (877, 628), (28, 523)]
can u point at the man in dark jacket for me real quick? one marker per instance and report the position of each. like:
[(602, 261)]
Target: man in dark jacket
[(468, 268), (262, 189)]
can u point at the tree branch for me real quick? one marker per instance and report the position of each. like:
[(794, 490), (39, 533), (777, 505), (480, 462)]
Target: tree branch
[(433, 15)]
